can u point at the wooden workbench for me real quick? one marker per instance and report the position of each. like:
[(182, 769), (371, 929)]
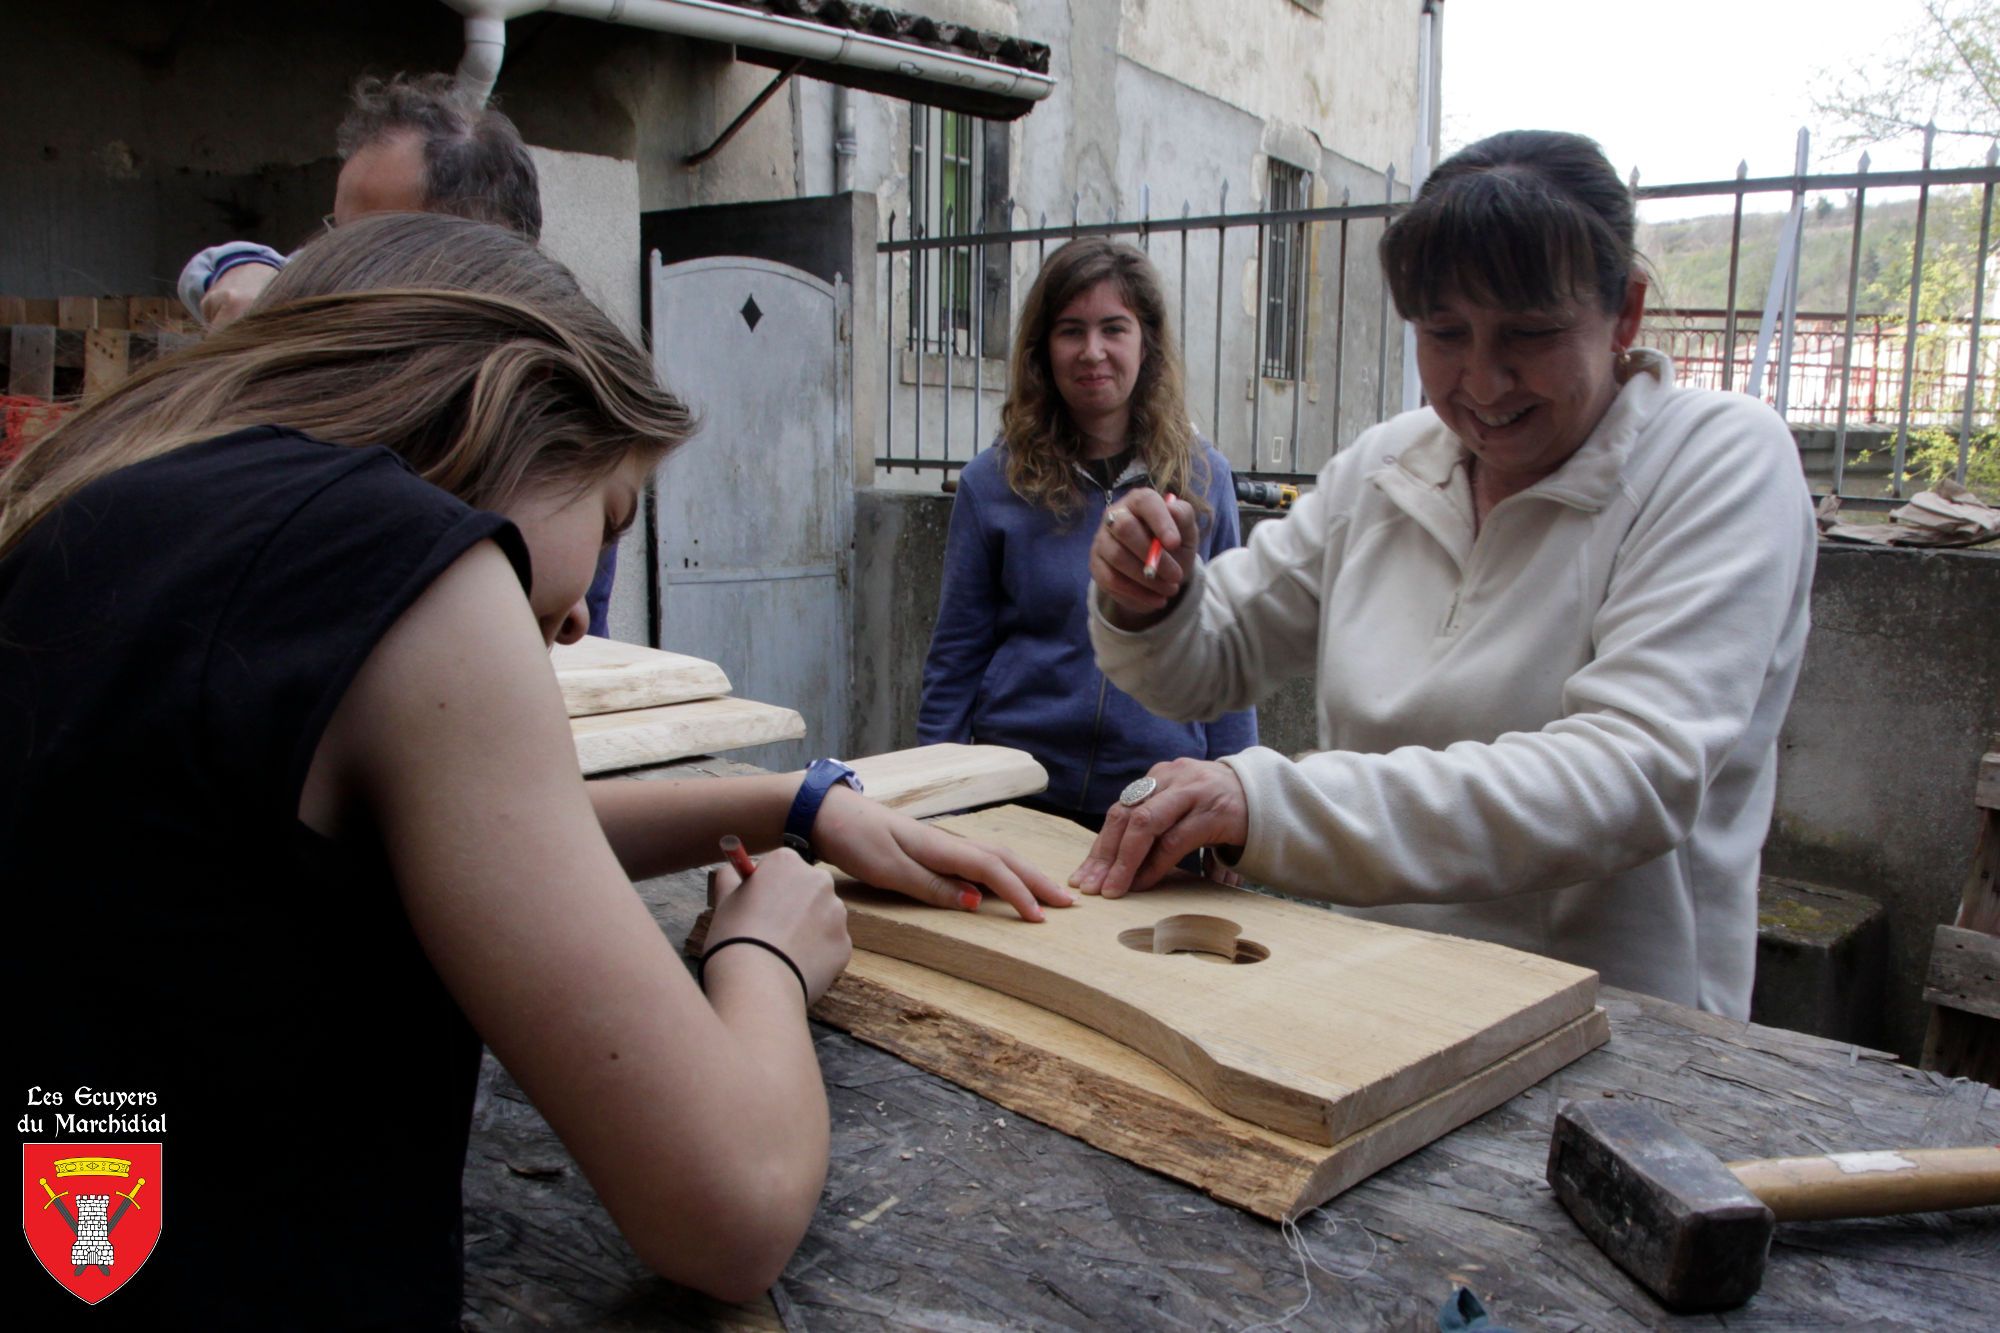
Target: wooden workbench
[(943, 1210)]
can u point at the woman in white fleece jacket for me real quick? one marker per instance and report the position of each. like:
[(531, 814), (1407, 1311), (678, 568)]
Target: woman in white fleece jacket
[(1555, 617)]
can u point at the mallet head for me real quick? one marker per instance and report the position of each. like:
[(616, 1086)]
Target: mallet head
[(1662, 1206)]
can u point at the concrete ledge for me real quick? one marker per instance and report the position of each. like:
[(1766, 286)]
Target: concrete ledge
[(1822, 957)]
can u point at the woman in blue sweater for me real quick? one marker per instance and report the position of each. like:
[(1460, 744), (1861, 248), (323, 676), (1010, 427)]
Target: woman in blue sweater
[(1095, 407)]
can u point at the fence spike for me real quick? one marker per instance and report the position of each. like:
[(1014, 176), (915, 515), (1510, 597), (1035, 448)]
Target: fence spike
[(1864, 162), (1742, 170), (1632, 181), (1993, 154)]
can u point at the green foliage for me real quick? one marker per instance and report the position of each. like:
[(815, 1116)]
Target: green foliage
[(1691, 258), (1932, 455)]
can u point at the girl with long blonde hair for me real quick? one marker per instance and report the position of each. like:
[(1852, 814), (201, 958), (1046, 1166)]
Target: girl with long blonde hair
[(291, 810)]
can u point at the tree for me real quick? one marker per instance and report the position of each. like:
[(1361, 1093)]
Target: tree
[(1945, 71)]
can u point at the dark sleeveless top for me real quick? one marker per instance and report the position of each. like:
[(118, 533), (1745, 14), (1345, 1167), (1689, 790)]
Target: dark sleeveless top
[(173, 640)]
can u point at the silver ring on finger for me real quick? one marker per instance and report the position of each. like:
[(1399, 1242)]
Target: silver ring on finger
[(1138, 790)]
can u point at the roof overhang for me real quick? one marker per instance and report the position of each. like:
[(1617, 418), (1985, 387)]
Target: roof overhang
[(937, 72)]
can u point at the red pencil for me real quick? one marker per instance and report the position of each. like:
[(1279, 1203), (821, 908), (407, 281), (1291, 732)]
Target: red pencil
[(732, 847), (1152, 566)]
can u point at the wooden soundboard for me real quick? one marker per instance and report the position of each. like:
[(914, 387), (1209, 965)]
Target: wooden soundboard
[(1286, 1055)]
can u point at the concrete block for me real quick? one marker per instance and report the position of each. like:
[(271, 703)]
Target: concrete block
[(1822, 957)]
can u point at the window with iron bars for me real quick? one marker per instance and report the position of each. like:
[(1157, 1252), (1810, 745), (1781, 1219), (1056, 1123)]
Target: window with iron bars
[(1285, 259), (958, 187)]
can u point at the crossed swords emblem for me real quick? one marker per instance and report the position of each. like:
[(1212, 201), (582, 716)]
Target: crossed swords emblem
[(55, 1199)]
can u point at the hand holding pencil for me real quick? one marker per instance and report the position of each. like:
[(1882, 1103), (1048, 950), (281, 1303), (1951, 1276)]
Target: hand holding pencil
[(1143, 553)]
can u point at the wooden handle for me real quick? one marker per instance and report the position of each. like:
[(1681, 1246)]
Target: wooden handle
[(1873, 1184)]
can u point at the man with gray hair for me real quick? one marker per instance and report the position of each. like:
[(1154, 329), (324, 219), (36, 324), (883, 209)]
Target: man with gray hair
[(409, 144)]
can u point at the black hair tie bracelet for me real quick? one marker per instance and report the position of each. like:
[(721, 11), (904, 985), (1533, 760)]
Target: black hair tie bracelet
[(701, 968)]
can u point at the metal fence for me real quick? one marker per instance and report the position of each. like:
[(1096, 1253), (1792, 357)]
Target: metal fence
[(1309, 284)]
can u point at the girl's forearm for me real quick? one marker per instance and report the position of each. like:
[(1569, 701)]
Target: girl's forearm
[(657, 828)]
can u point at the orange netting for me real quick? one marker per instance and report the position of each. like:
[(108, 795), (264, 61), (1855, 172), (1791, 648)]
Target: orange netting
[(23, 420)]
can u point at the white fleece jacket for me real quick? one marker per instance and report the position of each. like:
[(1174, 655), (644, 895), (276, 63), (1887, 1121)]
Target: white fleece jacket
[(1560, 736)]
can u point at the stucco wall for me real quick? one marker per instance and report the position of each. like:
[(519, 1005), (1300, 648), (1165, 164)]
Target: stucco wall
[(1347, 74), (1899, 694)]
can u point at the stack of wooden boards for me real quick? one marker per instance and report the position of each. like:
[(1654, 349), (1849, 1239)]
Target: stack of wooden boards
[(630, 706), (1269, 1052)]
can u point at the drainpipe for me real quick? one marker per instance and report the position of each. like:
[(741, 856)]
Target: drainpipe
[(1429, 20), (733, 26), (485, 48), (845, 147)]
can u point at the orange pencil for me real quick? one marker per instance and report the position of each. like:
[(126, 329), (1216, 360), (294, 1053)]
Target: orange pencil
[(1152, 566), (732, 847)]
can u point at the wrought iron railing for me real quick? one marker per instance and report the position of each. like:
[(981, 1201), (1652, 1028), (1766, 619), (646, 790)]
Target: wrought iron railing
[(1279, 416)]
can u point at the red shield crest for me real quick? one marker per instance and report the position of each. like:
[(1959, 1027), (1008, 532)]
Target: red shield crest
[(92, 1211)]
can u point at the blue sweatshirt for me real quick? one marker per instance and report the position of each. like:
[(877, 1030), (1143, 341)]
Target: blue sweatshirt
[(1010, 660)]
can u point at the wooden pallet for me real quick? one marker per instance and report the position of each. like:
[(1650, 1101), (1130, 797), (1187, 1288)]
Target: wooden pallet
[(80, 346), (1963, 985)]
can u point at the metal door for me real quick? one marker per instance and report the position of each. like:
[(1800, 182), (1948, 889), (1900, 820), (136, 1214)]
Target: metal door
[(756, 513)]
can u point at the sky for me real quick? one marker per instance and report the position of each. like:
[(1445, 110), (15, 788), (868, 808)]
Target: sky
[(1683, 90)]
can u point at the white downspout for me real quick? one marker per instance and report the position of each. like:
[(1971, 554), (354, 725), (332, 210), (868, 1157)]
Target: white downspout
[(485, 48), (1420, 168)]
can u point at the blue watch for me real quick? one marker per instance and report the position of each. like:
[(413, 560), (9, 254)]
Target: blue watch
[(820, 778)]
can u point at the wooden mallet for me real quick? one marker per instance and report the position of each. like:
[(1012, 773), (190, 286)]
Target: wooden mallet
[(1695, 1230)]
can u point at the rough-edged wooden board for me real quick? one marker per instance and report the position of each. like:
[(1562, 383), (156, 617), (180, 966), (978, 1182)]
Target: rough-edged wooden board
[(1083, 1083), (933, 779), (604, 676), (609, 741), (1344, 1023)]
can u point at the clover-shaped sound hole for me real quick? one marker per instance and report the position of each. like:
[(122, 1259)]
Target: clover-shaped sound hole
[(1211, 939)]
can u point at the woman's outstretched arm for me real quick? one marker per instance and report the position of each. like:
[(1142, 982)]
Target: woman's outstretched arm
[(701, 1121)]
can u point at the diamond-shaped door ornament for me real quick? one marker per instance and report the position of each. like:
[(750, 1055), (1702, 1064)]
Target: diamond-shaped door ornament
[(751, 314)]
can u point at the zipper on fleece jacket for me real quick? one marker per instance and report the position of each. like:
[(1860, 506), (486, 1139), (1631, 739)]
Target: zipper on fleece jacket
[(1133, 471)]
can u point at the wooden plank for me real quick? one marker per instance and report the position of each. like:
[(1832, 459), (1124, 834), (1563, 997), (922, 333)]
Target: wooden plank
[(1325, 1025), (13, 310), (1083, 1083), (149, 314), (1964, 971), (1986, 792), (113, 312), (76, 312), (40, 310), (31, 361), (935, 779), (107, 360), (604, 676), (606, 742)]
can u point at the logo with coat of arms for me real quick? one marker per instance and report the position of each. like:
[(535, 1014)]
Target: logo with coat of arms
[(91, 1211)]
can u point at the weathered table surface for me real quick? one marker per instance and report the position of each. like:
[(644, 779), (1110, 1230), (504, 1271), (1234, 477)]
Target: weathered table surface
[(945, 1211)]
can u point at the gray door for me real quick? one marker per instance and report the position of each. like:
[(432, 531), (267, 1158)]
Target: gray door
[(756, 513)]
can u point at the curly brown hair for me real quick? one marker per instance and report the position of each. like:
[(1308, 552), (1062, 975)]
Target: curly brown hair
[(1042, 440)]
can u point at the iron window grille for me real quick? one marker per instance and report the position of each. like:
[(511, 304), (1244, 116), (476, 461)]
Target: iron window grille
[(1285, 258)]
